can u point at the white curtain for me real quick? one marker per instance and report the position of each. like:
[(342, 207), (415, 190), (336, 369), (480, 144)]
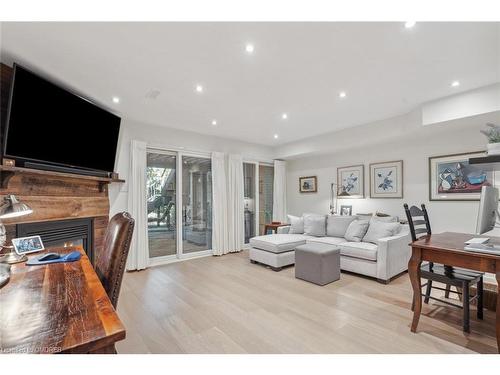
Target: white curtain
[(279, 191), (137, 206), (220, 237), (235, 203)]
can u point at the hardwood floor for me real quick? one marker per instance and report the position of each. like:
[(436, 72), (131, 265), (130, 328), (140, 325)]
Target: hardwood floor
[(227, 305)]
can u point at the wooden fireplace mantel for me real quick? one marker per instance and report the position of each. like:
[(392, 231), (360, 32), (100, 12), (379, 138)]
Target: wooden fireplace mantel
[(7, 172)]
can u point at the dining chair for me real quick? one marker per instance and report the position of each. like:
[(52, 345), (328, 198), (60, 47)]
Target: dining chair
[(419, 223)]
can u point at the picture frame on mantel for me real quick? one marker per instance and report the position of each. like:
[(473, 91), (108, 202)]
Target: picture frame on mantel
[(451, 178), (351, 182), (386, 179)]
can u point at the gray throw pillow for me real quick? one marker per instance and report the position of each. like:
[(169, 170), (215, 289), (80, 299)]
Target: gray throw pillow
[(379, 229), (386, 219), (296, 224), (336, 226), (356, 230), (315, 225)]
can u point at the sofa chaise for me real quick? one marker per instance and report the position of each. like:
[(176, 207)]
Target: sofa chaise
[(374, 247)]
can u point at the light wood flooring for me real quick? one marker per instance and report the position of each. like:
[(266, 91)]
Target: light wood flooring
[(227, 305)]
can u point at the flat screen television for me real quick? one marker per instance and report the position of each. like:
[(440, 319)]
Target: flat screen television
[(49, 125)]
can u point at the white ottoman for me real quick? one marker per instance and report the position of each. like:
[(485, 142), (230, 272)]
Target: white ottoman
[(275, 250)]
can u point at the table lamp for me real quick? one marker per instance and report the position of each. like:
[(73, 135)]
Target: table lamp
[(11, 208)]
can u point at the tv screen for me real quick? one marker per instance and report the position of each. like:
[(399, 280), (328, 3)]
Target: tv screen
[(48, 124)]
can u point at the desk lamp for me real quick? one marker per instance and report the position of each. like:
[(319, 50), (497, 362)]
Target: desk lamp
[(11, 208)]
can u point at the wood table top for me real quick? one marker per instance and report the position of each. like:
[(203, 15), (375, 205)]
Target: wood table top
[(454, 242), (60, 307)]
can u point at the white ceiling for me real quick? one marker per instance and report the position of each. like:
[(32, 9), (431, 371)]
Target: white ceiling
[(297, 68)]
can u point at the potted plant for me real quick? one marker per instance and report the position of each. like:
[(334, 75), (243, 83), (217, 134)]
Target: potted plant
[(493, 135)]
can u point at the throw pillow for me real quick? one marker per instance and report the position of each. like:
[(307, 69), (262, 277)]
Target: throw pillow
[(315, 225), (336, 226), (296, 224), (385, 219), (356, 230), (379, 229)]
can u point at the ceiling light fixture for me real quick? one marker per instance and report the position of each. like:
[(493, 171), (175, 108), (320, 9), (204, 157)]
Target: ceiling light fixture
[(284, 116), (409, 24), (249, 48), (214, 122), (455, 84), (342, 94), (199, 88), (116, 99), (276, 136)]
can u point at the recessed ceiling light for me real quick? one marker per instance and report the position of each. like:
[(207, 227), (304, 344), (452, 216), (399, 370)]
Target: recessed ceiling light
[(276, 136), (249, 48), (284, 116), (342, 94), (214, 122), (455, 84), (116, 99), (199, 88), (409, 24)]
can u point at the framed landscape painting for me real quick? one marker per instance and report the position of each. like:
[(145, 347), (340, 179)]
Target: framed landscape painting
[(451, 178), (351, 182), (386, 179)]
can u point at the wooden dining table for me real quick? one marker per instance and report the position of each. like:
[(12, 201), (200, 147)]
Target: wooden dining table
[(57, 308), (448, 248)]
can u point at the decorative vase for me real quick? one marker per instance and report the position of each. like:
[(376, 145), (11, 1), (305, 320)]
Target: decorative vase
[(494, 148)]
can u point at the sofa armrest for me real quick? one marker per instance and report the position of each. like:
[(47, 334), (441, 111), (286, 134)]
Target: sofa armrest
[(283, 230), (393, 254)]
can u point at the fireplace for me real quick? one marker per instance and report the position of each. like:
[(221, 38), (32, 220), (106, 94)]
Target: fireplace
[(62, 233)]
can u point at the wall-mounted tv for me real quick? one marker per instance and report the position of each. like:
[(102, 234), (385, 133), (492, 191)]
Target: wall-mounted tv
[(47, 124)]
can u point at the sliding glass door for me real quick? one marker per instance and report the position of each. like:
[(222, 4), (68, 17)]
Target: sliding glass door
[(196, 204), (176, 233), (161, 202), (250, 203)]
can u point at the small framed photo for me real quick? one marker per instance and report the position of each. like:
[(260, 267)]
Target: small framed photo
[(345, 210), (386, 179), (308, 184), (26, 245), (351, 182)]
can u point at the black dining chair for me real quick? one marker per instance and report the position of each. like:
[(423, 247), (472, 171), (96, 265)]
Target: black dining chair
[(419, 223)]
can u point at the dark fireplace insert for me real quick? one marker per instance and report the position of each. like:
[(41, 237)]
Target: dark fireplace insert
[(62, 233)]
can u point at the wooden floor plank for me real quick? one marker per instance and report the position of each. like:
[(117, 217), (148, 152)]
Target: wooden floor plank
[(228, 305)]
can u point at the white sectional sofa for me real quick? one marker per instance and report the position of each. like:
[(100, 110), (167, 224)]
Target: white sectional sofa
[(371, 252)]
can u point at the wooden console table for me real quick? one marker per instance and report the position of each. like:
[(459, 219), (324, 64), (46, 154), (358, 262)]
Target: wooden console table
[(57, 308), (448, 248)]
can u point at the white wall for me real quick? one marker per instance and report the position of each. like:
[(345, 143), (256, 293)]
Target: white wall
[(414, 144), (168, 138)]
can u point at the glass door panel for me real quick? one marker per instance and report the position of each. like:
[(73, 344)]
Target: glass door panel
[(161, 198), (249, 177), (196, 204), (266, 180)]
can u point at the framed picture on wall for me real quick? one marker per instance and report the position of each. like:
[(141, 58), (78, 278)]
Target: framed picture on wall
[(345, 210), (308, 184), (386, 179), (451, 178), (351, 182)]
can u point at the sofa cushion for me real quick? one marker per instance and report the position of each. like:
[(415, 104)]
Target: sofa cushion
[(378, 229), (336, 226), (326, 240), (362, 250), (356, 230), (278, 243), (386, 219), (296, 224), (314, 225)]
